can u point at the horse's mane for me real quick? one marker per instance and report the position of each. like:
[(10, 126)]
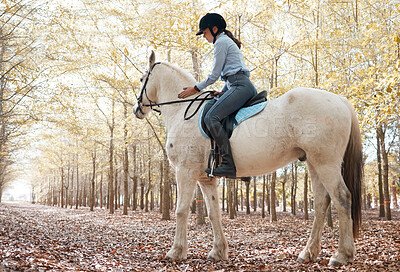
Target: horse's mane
[(179, 71)]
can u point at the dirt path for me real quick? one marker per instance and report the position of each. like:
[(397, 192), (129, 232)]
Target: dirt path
[(42, 238)]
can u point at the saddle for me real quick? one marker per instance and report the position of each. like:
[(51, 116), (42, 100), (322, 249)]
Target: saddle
[(249, 109), (231, 121)]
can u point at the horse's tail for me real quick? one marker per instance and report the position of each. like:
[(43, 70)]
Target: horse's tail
[(352, 170)]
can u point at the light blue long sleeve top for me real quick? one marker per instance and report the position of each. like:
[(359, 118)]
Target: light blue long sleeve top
[(227, 61)]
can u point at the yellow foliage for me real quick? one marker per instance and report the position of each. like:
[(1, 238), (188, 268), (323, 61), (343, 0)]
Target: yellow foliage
[(90, 56)]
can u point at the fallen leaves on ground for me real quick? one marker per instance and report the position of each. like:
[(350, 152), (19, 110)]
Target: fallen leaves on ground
[(43, 238)]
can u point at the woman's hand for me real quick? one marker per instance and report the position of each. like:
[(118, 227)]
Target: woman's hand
[(217, 93), (187, 91)]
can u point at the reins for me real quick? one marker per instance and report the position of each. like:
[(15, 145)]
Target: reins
[(192, 100), (151, 105)]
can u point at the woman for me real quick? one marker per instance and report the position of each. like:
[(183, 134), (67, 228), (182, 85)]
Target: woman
[(238, 89)]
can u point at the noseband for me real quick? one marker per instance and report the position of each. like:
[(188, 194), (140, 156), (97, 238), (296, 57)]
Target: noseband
[(152, 104)]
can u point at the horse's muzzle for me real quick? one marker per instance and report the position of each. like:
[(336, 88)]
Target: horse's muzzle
[(137, 110)]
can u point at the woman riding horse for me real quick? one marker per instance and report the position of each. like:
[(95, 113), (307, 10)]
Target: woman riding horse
[(238, 89)]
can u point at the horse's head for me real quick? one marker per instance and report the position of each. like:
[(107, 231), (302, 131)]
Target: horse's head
[(147, 95)]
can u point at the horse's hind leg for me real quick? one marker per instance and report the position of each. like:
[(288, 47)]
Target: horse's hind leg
[(321, 203), (341, 199), (186, 185), (210, 191)]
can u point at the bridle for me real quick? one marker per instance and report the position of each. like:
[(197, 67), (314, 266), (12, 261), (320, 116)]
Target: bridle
[(152, 104), (144, 91)]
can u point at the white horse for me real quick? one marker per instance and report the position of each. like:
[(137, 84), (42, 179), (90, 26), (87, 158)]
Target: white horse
[(303, 123)]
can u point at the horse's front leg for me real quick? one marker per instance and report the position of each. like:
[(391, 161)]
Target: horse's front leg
[(186, 185), (210, 191)]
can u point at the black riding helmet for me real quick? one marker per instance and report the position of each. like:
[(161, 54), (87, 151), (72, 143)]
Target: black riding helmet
[(209, 21)]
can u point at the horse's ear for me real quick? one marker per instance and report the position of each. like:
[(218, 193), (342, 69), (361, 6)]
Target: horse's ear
[(152, 59)]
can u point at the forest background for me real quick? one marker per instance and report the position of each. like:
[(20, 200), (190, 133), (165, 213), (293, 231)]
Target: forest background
[(69, 75)]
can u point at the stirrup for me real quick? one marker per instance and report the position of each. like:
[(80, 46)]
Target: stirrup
[(213, 159), (212, 167)]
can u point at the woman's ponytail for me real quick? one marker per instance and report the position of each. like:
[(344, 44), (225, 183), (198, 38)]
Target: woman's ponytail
[(230, 35)]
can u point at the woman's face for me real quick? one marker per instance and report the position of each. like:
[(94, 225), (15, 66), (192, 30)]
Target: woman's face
[(207, 34)]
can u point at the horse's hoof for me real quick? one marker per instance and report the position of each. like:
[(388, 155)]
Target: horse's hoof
[(217, 256), (170, 259), (175, 255), (300, 260), (334, 263)]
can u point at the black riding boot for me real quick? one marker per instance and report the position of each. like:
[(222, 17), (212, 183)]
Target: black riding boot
[(227, 167)]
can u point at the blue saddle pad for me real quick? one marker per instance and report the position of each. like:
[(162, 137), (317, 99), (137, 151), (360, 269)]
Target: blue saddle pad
[(242, 115)]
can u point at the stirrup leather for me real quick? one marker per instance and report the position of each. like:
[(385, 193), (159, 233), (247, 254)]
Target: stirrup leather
[(214, 158)]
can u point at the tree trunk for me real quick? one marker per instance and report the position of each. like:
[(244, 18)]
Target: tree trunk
[(263, 199), (146, 208), (199, 207), (67, 186), (171, 204), (92, 198), (84, 199), (126, 163), (247, 183), (236, 196), (193, 206), (255, 195), (369, 201), (49, 199), (33, 197), (149, 186), (111, 176), (284, 189), (134, 178), (314, 55), (241, 195), (294, 187), (161, 185), (117, 186), (268, 187), (388, 214), (111, 200), (329, 215), (394, 194), (306, 195), (71, 195), (151, 200), (101, 191), (148, 175), (273, 198), (223, 193), (166, 190), (108, 195), (77, 184), (141, 193), (54, 193), (380, 184), (62, 187), (231, 198), (364, 197)]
